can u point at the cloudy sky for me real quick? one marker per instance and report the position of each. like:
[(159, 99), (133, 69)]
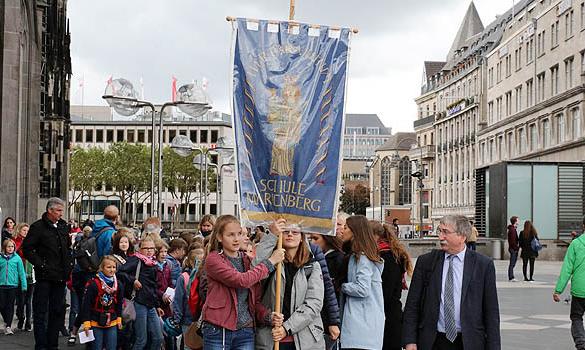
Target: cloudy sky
[(190, 39)]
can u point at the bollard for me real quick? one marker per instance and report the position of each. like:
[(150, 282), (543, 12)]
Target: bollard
[(496, 249)]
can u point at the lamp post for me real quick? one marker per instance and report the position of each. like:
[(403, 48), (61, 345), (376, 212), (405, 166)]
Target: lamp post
[(123, 98)]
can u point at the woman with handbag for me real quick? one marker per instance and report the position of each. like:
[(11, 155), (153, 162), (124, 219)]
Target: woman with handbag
[(139, 274), (528, 254), (233, 306)]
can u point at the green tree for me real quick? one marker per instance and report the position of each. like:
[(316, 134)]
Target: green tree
[(86, 171), (127, 169), (355, 200)]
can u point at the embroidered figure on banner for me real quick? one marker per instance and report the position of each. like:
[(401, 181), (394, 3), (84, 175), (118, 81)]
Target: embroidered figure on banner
[(284, 114)]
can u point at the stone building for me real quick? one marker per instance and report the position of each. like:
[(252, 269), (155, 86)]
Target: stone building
[(34, 132), (535, 102)]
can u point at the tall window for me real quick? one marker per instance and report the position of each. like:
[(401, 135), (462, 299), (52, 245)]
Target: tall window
[(529, 49), (560, 119), (569, 24), (540, 87), (533, 137), (499, 71), (583, 15), (491, 77), (405, 182), (510, 148), (491, 112), (568, 73), (385, 183), (499, 108), (508, 103), (576, 119), (546, 133), (518, 98), (529, 93), (508, 65), (554, 34), (522, 140), (554, 80), (540, 43)]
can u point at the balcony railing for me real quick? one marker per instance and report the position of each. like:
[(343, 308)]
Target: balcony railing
[(427, 120), (423, 152)]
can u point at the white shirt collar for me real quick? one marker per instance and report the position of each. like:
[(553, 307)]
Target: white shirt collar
[(460, 255)]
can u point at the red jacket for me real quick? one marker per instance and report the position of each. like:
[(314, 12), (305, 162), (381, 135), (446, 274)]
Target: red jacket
[(513, 238), (223, 280)]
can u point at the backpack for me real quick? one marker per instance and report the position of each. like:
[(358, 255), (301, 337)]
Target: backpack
[(85, 252), (192, 289), (535, 245)]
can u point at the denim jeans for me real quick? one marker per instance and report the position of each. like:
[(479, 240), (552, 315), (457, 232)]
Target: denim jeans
[(218, 338), (513, 259), (105, 338), (73, 309), (147, 327), (48, 313), (577, 331)]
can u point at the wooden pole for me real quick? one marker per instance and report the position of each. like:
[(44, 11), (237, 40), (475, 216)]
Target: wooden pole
[(291, 14), (278, 286)]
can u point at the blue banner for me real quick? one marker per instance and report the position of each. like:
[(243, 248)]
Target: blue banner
[(288, 108)]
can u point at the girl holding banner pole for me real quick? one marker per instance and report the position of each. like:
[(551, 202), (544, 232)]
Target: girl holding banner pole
[(301, 295), (233, 307)]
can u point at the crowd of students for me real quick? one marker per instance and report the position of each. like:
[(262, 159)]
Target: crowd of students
[(216, 288)]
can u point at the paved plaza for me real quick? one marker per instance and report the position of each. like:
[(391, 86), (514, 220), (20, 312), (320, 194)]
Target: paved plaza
[(529, 318)]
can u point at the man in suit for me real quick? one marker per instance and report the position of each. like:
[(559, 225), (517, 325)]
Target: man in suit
[(452, 302)]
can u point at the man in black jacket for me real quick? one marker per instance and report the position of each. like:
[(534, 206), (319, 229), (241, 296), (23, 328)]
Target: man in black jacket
[(452, 302), (48, 247)]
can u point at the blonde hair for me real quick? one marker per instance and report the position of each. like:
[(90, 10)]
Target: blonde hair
[(18, 228), (6, 243), (103, 262)]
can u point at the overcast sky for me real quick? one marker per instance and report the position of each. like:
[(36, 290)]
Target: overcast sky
[(190, 39)]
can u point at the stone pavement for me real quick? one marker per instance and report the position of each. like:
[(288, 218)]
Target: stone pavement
[(530, 320)]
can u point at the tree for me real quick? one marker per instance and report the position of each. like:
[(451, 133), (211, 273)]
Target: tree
[(86, 172), (127, 169), (355, 200)]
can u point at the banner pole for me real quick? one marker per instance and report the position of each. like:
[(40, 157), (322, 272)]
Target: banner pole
[(278, 286), (291, 14)]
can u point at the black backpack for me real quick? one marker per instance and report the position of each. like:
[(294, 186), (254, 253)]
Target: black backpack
[(85, 252)]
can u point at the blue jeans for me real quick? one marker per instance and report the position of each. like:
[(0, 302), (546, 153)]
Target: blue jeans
[(105, 338), (513, 259), (73, 309), (147, 327), (217, 338)]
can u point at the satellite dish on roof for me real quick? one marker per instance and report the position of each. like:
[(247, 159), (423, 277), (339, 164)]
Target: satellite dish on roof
[(122, 97), (198, 100)]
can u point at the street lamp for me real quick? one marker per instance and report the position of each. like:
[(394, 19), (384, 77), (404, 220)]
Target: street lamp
[(121, 95)]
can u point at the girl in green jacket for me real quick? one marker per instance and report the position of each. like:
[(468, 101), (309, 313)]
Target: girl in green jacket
[(12, 276)]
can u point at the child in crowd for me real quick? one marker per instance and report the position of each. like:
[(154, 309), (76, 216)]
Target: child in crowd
[(182, 312), (11, 276), (206, 225), (101, 309), (229, 317), (24, 299)]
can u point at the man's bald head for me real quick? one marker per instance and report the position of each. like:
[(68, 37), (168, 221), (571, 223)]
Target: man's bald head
[(111, 212)]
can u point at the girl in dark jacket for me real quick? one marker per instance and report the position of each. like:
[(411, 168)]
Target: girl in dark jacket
[(527, 254), (396, 263), (102, 306), (331, 247), (146, 302)]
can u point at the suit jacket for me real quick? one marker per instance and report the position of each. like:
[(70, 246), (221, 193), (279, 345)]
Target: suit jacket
[(480, 316)]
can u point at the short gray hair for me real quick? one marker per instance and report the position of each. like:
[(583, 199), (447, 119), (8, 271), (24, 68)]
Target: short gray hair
[(460, 223), (342, 216), (54, 201)]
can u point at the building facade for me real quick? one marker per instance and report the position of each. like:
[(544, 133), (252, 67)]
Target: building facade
[(535, 103), (204, 132), (35, 74)]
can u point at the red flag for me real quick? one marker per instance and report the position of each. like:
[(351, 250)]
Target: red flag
[(174, 89)]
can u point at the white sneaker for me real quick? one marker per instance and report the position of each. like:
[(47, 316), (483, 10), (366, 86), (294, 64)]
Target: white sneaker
[(513, 280), (8, 331)]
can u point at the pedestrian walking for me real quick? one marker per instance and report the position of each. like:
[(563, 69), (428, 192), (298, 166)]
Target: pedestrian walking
[(528, 255), (472, 241), (48, 248), (177, 250), (12, 281), (104, 229), (397, 263), (101, 310), (8, 228), (147, 326), (513, 247), (232, 307), (301, 295), (444, 310), (24, 299), (573, 270), (362, 303)]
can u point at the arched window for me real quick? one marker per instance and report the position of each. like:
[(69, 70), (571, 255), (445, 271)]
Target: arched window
[(405, 182)]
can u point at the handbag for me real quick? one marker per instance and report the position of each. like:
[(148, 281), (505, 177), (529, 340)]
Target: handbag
[(192, 338), (128, 309)]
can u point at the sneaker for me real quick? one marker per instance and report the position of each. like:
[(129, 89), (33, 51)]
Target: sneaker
[(513, 280), (27, 327), (20, 325), (8, 331)]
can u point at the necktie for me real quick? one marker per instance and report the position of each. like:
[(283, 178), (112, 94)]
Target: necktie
[(449, 304)]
